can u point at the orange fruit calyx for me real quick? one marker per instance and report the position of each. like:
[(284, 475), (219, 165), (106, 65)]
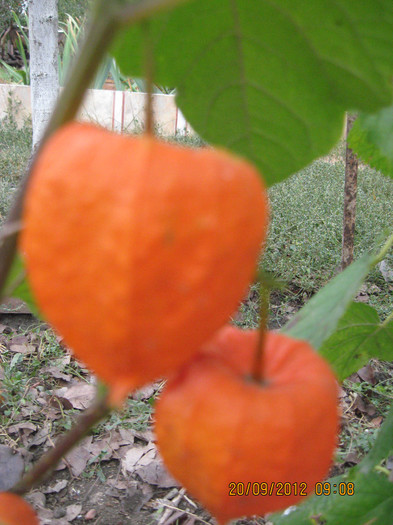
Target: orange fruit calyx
[(137, 250), (215, 428), (14, 510)]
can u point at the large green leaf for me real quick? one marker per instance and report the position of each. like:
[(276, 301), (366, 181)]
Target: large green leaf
[(318, 319), (270, 79), (372, 139), (371, 503), (359, 336)]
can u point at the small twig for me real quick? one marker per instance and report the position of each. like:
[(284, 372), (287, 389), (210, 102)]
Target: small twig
[(48, 461), (167, 512), (191, 514), (189, 500), (67, 463), (257, 373)]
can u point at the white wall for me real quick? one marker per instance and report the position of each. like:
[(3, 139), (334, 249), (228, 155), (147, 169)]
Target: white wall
[(115, 110)]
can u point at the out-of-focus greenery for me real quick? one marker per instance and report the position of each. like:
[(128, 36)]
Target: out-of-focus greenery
[(76, 8)]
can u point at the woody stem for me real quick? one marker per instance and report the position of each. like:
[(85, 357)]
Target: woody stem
[(47, 463), (258, 368)]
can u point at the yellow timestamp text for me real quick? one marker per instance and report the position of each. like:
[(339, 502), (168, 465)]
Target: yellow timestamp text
[(278, 488), (327, 488)]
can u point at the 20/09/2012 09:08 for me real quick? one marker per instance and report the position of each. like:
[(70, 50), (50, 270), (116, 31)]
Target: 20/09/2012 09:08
[(279, 488)]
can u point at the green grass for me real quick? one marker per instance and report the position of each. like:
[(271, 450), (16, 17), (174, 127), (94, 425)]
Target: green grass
[(304, 243), (15, 151), (24, 376)]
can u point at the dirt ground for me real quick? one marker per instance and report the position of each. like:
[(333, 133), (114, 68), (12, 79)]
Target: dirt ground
[(114, 476)]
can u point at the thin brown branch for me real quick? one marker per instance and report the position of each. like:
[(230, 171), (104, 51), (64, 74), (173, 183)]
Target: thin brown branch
[(350, 195), (257, 372), (47, 463), (11, 228)]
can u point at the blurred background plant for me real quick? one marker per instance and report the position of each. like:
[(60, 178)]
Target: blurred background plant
[(76, 8), (14, 52), (70, 33), (16, 46)]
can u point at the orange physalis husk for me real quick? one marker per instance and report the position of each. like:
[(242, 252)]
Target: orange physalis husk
[(233, 443)]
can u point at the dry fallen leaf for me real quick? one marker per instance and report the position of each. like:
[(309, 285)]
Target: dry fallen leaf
[(73, 511), (22, 349), (36, 498), (57, 487), (54, 371), (4, 328), (25, 428), (376, 422), (78, 457), (91, 514), (19, 340), (117, 484), (148, 465), (363, 406), (78, 395), (127, 435), (156, 474), (367, 374), (40, 437), (103, 449), (352, 457), (45, 515), (138, 457)]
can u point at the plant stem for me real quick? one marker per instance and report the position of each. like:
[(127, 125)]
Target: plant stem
[(384, 250), (149, 73), (11, 228), (48, 461), (257, 373)]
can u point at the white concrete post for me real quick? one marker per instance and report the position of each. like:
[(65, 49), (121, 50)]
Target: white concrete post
[(44, 78)]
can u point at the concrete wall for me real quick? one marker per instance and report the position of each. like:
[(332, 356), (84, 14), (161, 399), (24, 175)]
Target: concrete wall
[(115, 110)]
